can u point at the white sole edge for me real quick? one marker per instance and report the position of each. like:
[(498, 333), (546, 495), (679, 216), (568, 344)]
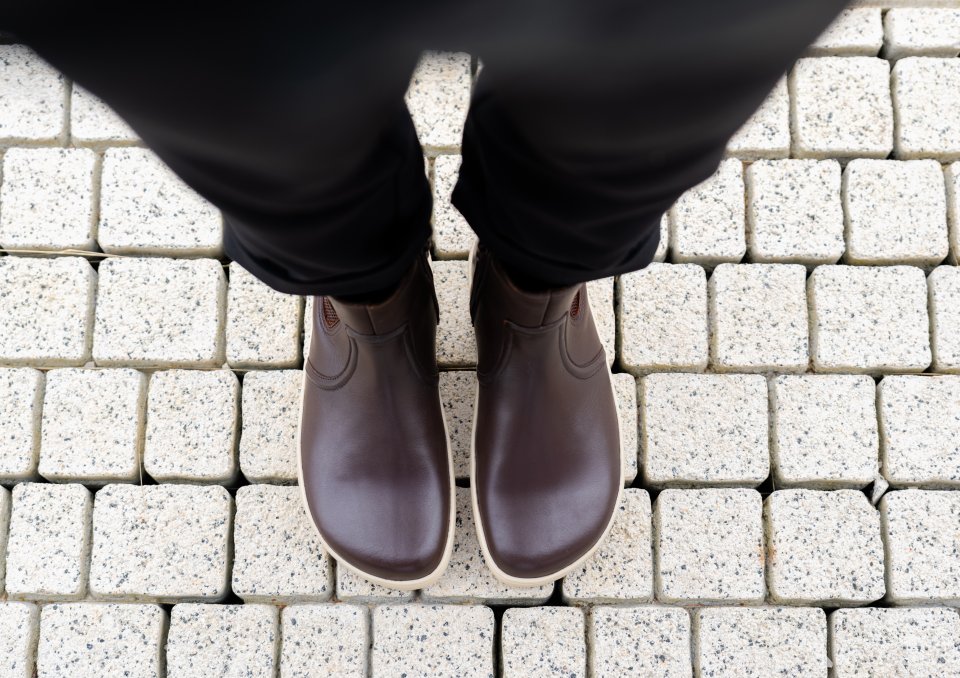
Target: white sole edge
[(401, 584)]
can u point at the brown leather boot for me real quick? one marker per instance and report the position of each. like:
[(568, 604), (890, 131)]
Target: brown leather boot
[(375, 467), (545, 473)]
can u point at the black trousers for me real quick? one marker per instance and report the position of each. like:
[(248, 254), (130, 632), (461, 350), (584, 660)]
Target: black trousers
[(589, 119)]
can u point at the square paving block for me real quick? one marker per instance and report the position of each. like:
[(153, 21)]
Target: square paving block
[(926, 99), (951, 174), (21, 401), (458, 390), (857, 31), (31, 108), (330, 639), (921, 31), (767, 133), (223, 640), (707, 222), (944, 283), (271, 414), (18, 638), (263, 325), (438, 97), (625, 391), (93, 122), (543, 641), (456, 344), (452, 236), (4, 524), (641, 641), (353, 588)]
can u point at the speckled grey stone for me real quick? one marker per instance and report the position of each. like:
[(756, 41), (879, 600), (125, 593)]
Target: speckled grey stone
[(794, 212), (467, 578), (841, 108), (324, 640), (353, 588), (951, 175), (824, 430), (703, 429), (31, 108), (271, 415), (163, 543), (4, 524), (160, 312), (47, 199), (708, 546), (625, 392), (920, 430), (438, 97), (663, 318), (600, 297), (46, 311), (458, 391), (856, 31), (895, 212), (263, 325), (639, 642), (767, 133), (18, 639), (868, 319), (874, 642), (944, 284), (49, 544), (926, 96), (21, 400), (824, 548), (146, 208), (922, 546), (543, 641), (101, 639), (622, 568), (707, 221), (92, 425), (760, 642), (229, 641), (192, 421), (452, 236), (921, 31), (92, 121), (456, 344), (278, 556), (758, 318), (664, 245), (441, 641)]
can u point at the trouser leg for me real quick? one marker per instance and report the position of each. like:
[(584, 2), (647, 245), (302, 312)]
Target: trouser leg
[(290, 120), (584, 129)]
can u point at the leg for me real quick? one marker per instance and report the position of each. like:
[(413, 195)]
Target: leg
[(302, 140), (582, 134)]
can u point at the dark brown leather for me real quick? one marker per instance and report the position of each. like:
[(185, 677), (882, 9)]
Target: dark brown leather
[(374, 460), (547, 443)]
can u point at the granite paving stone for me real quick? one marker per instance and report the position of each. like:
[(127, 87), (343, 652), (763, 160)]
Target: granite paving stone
[(456, 344), (944, 284), (824, 548), (47, 199), (441, 641), (92, 425), (767, 133), (146, 209), (278, 556), (622, 568), (93, 122), (760, 641), (869, 319), (543, 641), (920, 430), (663, 318), (758, 318), (4, 525), (952, 176), (34, 94), (841, 107), (438, 97), (708, 546), (458, 391), (625, 392), (129, 328), (231, 641), (703, 429), (856, 31), (794, 212), (874, 642), (161, 543), (263, 325), (921, 31), (353, 588), (21, 404), (18, 639), (452, 236), (926, 99), (895, 212), (707, 221), (270, 414), (922, 546), (191, 430), (637, 642), (46, 311), (824, 432), (49, 543), (101, 639), (329, 640)]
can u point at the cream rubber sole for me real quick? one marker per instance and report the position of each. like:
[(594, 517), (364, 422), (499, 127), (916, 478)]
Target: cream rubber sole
[(401, 584), (491, 564)]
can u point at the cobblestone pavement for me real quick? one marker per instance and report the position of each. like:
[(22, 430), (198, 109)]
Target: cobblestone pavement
[(788, 374)]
